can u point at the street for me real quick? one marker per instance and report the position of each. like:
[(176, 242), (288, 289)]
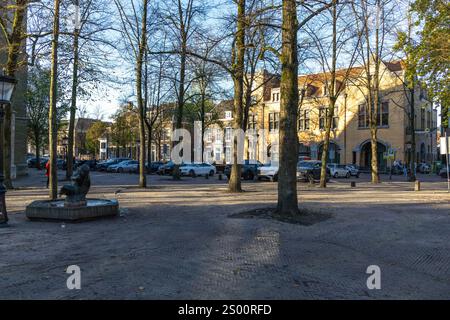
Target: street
[(186, 240)]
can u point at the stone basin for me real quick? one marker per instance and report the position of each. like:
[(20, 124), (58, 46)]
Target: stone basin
[(55, 210)]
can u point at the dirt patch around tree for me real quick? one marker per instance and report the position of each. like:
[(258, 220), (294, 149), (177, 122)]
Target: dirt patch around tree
[(307, 217)]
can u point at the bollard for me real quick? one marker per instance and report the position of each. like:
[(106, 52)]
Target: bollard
[(220, 176), (353, 184), (417, 185)]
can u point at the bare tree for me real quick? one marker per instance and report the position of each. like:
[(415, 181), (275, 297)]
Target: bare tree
[(328, 53), (134, 30), (52, 121)]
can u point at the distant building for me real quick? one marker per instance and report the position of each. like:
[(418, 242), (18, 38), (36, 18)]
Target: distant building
[(19, 116)]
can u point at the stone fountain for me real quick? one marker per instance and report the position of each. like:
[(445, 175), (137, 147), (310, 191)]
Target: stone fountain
[(75, 206)]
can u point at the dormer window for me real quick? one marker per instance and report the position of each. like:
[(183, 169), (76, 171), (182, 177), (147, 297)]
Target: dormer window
[(275, 96)]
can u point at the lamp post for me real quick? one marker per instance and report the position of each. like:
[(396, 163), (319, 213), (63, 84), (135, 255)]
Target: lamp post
[(6, 89)]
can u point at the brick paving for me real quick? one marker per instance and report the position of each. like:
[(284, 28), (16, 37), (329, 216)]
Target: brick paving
[(176, 240)]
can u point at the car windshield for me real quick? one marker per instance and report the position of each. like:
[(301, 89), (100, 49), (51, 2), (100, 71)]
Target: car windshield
[(305, 164)]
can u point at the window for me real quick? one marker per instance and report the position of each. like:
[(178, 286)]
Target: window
[(208, 135), (218, 153), (325, 90), (227, 154), (382, 116), (422, 119), (251, 122), (103, 145), (274, 121), (218, 135), (323, 115), (228, 115), (363, 117), (303, 124), (276, 96), (430, 122), (227, 134)]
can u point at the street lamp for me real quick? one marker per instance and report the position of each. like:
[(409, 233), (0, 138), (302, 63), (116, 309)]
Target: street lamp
[(6, 89)]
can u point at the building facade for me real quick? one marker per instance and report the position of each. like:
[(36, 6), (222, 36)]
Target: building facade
[(350, 136)]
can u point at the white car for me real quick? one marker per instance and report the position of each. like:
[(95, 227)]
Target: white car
[(124, 166), (197, 169), (339, 170), (268, 171)]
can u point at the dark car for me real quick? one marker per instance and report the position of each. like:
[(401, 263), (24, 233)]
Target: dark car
[(91, 163), (153, 167), (310, 170), (166, 168), (102, 166), (32, 162), (249, 169), (61, 164), (444, 173)]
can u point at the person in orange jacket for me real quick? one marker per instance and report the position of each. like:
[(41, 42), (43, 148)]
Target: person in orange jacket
[(47, 171)]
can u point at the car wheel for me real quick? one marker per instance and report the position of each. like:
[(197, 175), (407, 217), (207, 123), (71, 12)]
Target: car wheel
[(275, 178), (192, 173), (228, 176), (120, 170), (247, 175), (336, 175), (310, 178), (211, 173), (357, 175)]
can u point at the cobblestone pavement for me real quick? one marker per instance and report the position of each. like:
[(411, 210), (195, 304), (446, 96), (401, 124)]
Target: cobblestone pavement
[(175, 240)]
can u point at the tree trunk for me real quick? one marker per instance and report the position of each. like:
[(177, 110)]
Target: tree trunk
[(139, 63), (73, 105), (181, 88), (14, 50), (149, 148), (38, 155), (234, 185), (412, 174), (332, 101), (52, 125), (203, 124), (287, 174)]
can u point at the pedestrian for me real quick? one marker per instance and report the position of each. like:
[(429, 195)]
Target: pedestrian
[(47, 171)]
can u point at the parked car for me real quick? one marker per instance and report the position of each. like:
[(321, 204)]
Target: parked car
[(310, 170), (166, 168), (103, 166), (338, 170), (354, 170), (249, 169), (444, 172), (398, 169), (61, 164), (197, 169), (124, 166), (154, 166), (424, 168), (91, 163), (268, 171), (32, 162)]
